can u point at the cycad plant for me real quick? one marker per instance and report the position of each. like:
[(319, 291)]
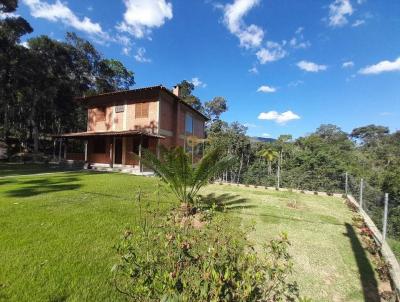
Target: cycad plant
[(184, 178)]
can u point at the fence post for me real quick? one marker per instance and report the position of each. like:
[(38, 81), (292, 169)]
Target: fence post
[(361, 192), (385, 214), (347, 183)]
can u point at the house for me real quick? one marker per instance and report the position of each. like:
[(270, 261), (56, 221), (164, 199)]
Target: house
[(120, 124)]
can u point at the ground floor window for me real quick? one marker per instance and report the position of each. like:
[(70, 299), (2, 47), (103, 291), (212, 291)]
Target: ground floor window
[(99, 145)]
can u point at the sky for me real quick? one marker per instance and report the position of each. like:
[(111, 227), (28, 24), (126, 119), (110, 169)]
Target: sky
[(284, 66)]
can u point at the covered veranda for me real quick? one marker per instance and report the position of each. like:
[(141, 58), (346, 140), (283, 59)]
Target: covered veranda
[(109, 149)]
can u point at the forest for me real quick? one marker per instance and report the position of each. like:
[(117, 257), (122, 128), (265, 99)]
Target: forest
[(40, 80)]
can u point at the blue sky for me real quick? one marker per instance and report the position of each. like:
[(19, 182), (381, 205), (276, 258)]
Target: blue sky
[(284, 66)]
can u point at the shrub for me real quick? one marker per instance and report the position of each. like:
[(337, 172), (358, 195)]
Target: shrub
[(383, 270), (169, 262), (184, 178)]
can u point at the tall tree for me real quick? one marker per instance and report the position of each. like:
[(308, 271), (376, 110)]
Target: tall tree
[(215, 108), (11, 31)]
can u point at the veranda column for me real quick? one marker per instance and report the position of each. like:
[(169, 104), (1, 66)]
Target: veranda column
[(86, 150), (59, 149), (65, 149), (140, 154), (112, 152)]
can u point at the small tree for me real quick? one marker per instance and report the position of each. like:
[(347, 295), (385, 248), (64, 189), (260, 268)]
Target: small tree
[(184, 178), (269, 155)]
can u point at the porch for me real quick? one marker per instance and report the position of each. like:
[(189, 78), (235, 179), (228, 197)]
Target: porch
[(110, 151)]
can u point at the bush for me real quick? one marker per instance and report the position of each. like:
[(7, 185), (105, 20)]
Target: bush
[(170, 262)]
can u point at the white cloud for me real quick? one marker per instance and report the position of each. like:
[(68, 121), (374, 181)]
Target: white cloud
[(272, 52), (197, 83), (140, 56), (295, 83), (348, 64), (24, 44), (358, 23), (250, 36), (253, 70), (280, 118), (126, 50), (266, 135), (339, 10), (295, 43), (250, 125), (383, 66), (266, 89), (299, 30), (60, 12), (8, 15), (143, 15), (386, 113), (311, 67), (298, 40)]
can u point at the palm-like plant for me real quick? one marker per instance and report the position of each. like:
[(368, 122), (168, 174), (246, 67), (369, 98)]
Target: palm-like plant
[(184, 178), (269, 155)]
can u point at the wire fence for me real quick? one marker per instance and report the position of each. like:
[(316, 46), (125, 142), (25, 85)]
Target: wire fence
[(380, 207), (367, 194)]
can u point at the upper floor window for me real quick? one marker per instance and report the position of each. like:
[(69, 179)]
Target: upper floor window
[(141, 110), (188, 124), (101, 114), (119, 108)]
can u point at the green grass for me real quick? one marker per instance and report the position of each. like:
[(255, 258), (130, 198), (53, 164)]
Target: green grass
[(395, 246), (329, 262), (58, 231), (13, 169)]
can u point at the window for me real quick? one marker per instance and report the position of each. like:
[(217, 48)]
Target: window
[(119, 108), (101, 114), (141, 110), (136, 143), (99, 145), (188, 124)]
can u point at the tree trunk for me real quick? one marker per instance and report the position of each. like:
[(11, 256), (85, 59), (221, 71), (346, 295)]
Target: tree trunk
[(35, 129), (269, 168), (240, 169)]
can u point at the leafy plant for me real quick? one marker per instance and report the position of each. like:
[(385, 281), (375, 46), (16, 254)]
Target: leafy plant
[(185, 180), (383, 269), (269, 155), (165, 262)]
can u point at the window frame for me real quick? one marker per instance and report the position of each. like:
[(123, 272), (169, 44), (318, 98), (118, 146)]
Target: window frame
[(191, 131), (142, 110)]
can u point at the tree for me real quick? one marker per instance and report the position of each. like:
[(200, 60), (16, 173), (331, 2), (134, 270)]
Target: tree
[(269, 155), (185, 89), (8, 6), (215, 108), (370, 135), (331, 133), (11, 31), (113, 76)]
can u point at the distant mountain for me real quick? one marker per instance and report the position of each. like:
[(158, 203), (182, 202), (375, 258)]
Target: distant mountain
[(258, 139)]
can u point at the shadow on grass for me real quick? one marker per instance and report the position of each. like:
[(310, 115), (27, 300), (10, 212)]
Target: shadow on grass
[(40, 186), (367, 277), (223, 202), (277, 218)]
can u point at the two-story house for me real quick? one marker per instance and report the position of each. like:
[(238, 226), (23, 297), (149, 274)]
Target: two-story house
[(120, 124)]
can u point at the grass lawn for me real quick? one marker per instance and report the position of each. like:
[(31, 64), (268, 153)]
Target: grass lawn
[(11, 169), (329, 262), (58, 231)]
